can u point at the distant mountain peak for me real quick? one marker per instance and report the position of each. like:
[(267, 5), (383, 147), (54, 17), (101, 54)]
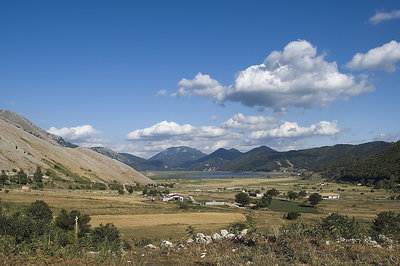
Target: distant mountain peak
[(177, 156)]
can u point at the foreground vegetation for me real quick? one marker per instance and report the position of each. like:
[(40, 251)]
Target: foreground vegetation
[(286, 228), (34, 237)]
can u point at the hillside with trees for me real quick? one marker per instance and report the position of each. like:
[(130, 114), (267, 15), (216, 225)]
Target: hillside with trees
[(381, 169)]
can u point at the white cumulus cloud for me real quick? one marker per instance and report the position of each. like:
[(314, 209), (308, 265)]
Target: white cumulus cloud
[(163, 129), (293, 130), (85, 135), (239, 131), (382, 16), (379, 58), (248, 123), (167, 134), (296, 76), (203, 85)]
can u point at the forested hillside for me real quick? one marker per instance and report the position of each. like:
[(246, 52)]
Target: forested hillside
[(381, 169)]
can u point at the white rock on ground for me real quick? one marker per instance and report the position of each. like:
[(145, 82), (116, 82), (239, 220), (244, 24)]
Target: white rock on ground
[(224, 233), (216, 236), (231, 236), (166, 243)]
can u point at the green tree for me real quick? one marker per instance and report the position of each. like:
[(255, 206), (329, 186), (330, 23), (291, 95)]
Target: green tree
[(3, 177), (106, 235), (302, 194), (39, 211), (336, 225), (292, 195), (314, 199), (66, 221), (273, 192), (22, 177), (37, 176), (242, 198), (265, 201)]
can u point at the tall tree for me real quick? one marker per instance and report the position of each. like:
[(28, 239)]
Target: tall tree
[(292, 195), (242, 198), (314, 199), (37, 176)]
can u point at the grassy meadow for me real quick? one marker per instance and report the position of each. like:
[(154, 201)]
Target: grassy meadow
[(143, 217)]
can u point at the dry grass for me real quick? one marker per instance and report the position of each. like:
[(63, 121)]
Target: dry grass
[(139, 217), (198, 218)]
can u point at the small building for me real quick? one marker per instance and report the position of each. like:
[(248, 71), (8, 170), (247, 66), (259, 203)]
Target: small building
[(173, 196), (329, 195), (257, 195)]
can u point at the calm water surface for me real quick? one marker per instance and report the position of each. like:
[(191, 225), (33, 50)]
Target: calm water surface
[(236, 175)]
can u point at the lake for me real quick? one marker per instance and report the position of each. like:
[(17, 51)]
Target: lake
[(236, 175)]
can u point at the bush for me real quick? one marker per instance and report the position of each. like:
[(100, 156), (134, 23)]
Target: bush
[(336, 225), (66, 221), (388, 224), (39, 211), (292, 215), (237, 227), (106, 236)]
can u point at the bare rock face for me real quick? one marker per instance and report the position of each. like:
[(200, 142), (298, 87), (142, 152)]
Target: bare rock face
[(21, 122)]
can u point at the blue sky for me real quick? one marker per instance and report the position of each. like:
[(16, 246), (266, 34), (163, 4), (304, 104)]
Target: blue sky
[(142, 76)]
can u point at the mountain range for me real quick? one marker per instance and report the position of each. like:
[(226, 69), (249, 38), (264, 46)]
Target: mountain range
[(25, 146), (261, 158)]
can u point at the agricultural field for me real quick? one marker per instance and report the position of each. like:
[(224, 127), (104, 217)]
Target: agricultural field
[(141, 217)]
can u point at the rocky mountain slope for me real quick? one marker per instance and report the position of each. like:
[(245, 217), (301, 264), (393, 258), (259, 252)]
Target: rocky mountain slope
[(27, 146), (26, 125)]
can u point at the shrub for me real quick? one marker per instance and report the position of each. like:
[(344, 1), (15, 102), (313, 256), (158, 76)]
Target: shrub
[(237, 227), (336, 225), (106, 236), (388, 224), (66, 221), (292, 215), (40, 212)]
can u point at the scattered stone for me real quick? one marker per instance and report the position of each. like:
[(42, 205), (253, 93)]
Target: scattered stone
[(166, 243), (200, 235), (150, 246), (190, 241), (224, 233), (230, 236), (209, 239), (216, 236)]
